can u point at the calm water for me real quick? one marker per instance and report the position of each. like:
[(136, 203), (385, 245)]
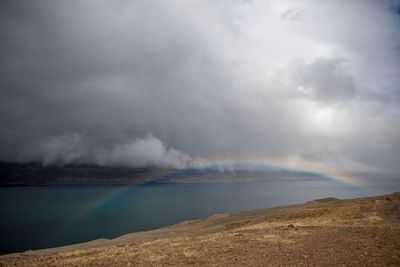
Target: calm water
[(40, 217)]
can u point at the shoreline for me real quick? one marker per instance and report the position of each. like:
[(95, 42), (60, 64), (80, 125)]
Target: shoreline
[(375, 214)]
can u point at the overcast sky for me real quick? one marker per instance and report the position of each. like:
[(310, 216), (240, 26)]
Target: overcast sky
[(312, 84)]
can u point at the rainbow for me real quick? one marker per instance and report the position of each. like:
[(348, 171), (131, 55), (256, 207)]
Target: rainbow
[(92, 206), (221, 165), (228, 165), (88, 208), (260, 165)]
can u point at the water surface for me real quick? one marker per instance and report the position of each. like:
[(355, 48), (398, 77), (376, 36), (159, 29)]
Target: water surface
[(40, 217)]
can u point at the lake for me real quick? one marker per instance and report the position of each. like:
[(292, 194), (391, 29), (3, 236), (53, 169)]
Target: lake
[(41, 217)]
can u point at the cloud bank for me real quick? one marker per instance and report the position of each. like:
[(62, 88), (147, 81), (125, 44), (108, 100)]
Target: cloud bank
[(75, 149), (135, 83)]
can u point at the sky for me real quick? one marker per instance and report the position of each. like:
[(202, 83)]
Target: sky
[(170, 83)]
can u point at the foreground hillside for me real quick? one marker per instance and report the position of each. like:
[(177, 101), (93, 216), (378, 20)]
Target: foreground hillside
[(327, 232)]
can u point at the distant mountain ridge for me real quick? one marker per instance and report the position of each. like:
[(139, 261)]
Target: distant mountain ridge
[(37, 174)]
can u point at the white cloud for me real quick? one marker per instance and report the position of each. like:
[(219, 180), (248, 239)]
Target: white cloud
[(75, 149), (64, 149), (147, 151)]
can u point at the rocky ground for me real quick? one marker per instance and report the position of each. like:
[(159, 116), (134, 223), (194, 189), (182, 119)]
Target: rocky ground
[(327, 232)]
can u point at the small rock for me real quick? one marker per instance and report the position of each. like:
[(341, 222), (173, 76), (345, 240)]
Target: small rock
[(290, 226)]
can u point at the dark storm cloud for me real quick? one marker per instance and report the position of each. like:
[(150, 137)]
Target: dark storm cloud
[(169, 82)]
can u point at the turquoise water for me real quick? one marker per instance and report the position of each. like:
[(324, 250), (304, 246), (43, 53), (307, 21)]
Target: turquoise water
[(40, 217)]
